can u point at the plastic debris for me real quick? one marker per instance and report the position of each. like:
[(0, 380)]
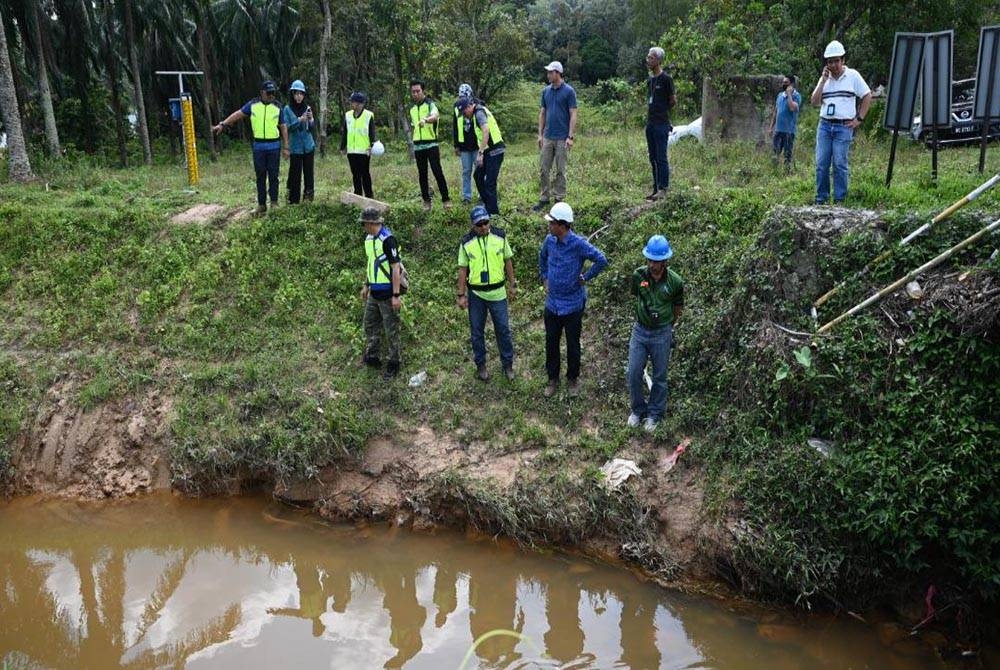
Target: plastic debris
[(418, 379), (671, 460), (914, 290), (824, 447), (692, 129), (617, 471)]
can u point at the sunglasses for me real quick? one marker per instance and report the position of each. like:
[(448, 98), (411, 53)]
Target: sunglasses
[(481, 224)]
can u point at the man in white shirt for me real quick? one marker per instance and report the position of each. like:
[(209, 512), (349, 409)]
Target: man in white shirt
[(837, 93)]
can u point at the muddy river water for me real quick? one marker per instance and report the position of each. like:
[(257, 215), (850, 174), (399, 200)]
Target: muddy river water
[(247, 583)]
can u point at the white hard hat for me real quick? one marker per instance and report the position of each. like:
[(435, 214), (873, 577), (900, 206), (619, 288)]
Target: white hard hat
[(378, 148), (834, 50), (560, 212)]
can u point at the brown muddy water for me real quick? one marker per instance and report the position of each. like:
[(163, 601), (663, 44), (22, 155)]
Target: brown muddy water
[(246, 583)]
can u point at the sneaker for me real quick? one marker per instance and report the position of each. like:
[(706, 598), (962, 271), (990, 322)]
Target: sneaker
[(482, 373), (261, 209), (372, 361), (308, 197), (540, 206), (427, 205), (634, 420), (650, 425), (447, 204), (466, 201), (391, 370), (573, 387), (550, 388), (652, 196), (508, 372)]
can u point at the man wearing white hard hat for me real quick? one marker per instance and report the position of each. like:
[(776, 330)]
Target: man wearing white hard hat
[(560, 267), (357, 141), (556, 125), (837, 95), (659, 299)]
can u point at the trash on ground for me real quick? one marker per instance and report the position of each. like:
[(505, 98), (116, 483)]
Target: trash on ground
[(914, 290), (824, 447), (617, 470), (671, 460), (418, 379)]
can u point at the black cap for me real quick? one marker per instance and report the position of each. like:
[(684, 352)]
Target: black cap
[(358, 96), (370, 215), (269, 86)]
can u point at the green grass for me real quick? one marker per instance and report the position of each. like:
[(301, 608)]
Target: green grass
[(253, 327)]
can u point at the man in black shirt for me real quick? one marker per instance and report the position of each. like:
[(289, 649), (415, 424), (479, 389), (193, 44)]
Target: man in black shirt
[(661, 98)]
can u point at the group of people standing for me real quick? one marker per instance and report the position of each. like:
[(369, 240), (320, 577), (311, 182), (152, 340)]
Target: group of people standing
[(486, 283), (844, 98), (476, 134)]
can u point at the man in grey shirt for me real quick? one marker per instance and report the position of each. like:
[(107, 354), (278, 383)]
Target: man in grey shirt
[(556, 124)]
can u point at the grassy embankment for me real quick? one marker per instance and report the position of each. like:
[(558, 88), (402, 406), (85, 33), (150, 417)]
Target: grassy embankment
[(253, 327)]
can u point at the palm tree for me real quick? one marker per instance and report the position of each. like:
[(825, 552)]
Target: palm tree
[(44, 89), (140, 104), (19, 167)]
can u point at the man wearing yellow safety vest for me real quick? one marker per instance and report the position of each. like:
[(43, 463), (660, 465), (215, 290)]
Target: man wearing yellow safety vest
[(381, 293), (424, 121), (357, 141), (465, 143), (490, 151), (269, 136), (485, 281)]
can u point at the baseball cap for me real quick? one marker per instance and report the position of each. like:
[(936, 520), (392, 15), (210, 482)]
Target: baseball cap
[(554, 65)]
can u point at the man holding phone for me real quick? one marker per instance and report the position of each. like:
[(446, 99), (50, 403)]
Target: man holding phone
[(837, 94), (785, 120)]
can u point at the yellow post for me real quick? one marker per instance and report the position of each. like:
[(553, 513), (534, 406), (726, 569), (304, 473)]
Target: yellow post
[(190, 147)]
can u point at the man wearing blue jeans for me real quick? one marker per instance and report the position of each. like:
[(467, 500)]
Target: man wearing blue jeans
[(490, 151), (659, 300), (661, 99), (485, 282), (465, 143), (837, 93), (270, 134), (785, 120)]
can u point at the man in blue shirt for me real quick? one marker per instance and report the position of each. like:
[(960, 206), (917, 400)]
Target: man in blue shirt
[(785, 119), (270, 134), (556, 125), (560, 266)]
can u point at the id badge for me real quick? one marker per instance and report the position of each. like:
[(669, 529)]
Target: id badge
[(831, 110), (484, 277), (650, 100)]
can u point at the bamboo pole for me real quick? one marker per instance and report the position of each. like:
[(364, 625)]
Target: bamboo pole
[(975, 193), (911, 275)]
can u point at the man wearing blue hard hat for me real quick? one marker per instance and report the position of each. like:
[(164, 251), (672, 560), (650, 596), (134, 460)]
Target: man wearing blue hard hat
[(485, 281), (659, 300)]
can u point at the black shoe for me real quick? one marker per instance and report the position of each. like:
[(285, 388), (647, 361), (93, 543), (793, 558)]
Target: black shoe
[(540, 206), (372, 361), (652, 196), (391, 370)]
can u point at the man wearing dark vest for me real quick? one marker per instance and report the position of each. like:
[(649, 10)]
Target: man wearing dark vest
[(381, 293), (490, 148), (485, 281), (270, 135), (424, 121)]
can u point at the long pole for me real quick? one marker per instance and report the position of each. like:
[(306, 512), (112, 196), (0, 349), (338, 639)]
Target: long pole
[(891, 288), (989, 106), (975, 193)]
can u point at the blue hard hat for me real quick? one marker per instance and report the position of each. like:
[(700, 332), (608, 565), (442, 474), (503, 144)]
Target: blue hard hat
[(657, 249), (478, 214), (297, 85)]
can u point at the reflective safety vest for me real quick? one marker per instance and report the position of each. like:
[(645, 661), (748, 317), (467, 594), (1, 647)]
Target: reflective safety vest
[(495, 136), (486, 261), (429, 132), (358, 139), (377, 271), (264, 117), (460, 125)]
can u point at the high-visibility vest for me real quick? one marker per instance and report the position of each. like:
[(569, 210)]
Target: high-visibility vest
[(495, 136), (486, 261), (429, 132), (358, 139), (378, 273), (264, 117), (460, 125)]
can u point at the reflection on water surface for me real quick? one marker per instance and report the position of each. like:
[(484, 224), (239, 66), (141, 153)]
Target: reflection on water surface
[(164, 582)]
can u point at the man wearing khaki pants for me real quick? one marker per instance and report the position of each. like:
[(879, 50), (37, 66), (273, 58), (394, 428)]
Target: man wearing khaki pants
[(556, 124)]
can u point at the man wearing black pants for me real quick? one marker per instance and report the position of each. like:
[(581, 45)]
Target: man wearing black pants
[(424, 120), (357, 141), (490, 151)]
